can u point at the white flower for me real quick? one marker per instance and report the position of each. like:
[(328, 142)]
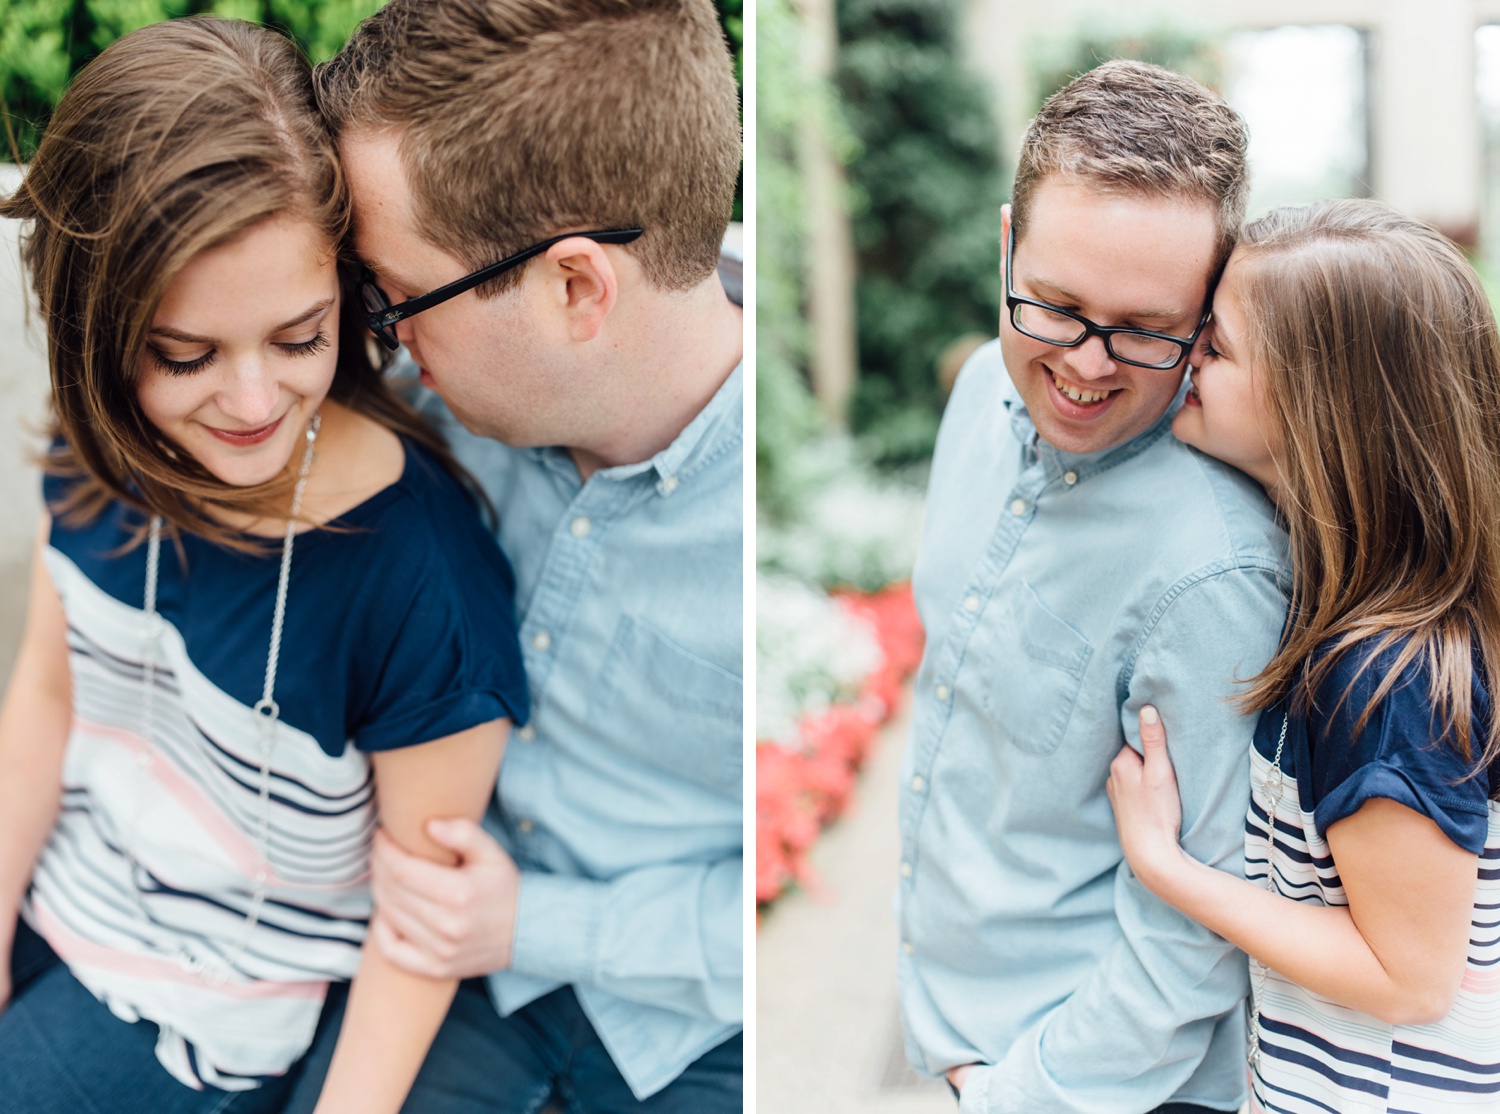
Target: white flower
[(855, 527), (809, 651)]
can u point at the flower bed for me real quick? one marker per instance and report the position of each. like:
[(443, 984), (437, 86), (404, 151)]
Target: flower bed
[(805, 777)]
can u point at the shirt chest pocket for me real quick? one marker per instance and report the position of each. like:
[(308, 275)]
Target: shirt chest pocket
[(1030, 671), (671, 708)]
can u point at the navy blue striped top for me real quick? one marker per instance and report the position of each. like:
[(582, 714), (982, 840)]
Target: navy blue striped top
[(1318, 1056), (400, 629)]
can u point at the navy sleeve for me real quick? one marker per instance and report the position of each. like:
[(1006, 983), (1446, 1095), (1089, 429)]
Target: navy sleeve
[(1402, 755), (452, 655)]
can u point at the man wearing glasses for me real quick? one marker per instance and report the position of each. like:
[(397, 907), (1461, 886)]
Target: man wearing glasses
[(1078, 562), (540, 191)]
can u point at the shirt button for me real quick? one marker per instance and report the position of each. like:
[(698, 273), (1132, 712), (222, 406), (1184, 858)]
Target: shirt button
[(1018, 507), (1070, 478), (942, 694), (526, 734), (143, 759), (971, 603), (906, 947), (526, 826), (580, 526), (906, 870), (917, 784), (541, 641), (668, 485)]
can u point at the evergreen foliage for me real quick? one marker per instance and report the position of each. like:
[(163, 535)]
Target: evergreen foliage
[(44, 42), (928, 189), (785, 413)]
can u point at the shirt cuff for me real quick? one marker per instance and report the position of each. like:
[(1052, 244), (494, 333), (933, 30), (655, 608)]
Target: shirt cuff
[(975, 1097), (558, 924)]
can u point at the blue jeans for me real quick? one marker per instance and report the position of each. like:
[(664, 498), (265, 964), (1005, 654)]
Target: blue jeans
[(63, 1052), (482, 1063), (1167, 1108)]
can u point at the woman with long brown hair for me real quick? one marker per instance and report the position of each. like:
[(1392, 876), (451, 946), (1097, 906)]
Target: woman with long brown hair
[(1353, 368), (259, 586)]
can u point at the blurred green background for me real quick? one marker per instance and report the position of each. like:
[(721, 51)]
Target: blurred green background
[(44, 42), (915, 107)]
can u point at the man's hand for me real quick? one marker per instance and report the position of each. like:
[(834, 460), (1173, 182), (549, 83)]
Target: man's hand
[(451, 922), (957, 1075)]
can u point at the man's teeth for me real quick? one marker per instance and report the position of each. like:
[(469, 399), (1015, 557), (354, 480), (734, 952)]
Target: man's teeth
[(1077, 394)]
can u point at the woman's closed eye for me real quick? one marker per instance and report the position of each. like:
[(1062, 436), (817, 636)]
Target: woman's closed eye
[(180, 367), (187, 367)]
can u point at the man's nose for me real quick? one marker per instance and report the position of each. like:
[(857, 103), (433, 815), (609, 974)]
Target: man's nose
[(1089, 360)]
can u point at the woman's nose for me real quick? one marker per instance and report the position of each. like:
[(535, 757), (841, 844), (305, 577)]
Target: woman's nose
[(251, 396)]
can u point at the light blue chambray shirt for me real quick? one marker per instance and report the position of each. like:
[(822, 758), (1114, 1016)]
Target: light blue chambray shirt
[(1059, 593), (621, 799)]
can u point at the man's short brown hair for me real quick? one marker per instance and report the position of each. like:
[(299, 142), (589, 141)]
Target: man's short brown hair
[(520, 119), (1131, 127)]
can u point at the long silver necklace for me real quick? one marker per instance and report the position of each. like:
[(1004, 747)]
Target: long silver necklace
[(1272, 788), (266, 712)]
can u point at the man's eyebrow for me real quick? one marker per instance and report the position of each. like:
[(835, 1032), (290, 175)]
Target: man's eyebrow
[(381, 271), (1063, 294), (191, 338)]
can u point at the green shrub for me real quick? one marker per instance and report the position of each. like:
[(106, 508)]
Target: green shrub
[(928, 187), (785, 413), (43, 43)]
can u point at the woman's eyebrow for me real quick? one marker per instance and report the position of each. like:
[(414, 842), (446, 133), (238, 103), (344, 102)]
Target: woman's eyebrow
[(192, 338), (307, 315)]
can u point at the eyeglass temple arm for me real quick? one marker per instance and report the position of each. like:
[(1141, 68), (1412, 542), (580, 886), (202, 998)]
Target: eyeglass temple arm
[(416, 305)]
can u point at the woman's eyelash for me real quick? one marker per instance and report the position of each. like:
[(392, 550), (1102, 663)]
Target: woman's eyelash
[(307, 347), (187, 367), (182, 367)]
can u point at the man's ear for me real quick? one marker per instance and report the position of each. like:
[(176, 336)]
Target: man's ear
[(588, 284)]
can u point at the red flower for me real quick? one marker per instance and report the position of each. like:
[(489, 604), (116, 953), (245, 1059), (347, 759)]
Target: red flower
[(798, 791)]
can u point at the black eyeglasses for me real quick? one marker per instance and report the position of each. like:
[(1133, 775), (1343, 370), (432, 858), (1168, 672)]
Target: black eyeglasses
[(382, 317), (1066, 329)]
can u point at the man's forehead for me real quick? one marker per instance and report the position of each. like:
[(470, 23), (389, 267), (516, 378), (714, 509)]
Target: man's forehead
[(1146, 256), (383, 227)]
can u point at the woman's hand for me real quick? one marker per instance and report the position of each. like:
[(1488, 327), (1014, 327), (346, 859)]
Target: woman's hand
[(1148, 810)]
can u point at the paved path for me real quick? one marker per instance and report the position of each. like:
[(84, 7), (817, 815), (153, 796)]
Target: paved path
[(828, 1038), (23, 391)]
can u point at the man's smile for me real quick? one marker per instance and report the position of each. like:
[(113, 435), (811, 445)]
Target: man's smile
[(1077, 392)]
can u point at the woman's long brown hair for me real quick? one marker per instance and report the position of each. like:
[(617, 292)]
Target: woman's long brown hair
[(178, 138), (1382, 365)]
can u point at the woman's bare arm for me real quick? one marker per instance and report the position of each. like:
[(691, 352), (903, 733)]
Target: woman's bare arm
[(1396, 952), (392, 1015), (34, 723)]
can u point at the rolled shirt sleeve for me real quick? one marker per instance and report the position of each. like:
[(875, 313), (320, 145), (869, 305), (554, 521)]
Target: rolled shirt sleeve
[(1168, 985)]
